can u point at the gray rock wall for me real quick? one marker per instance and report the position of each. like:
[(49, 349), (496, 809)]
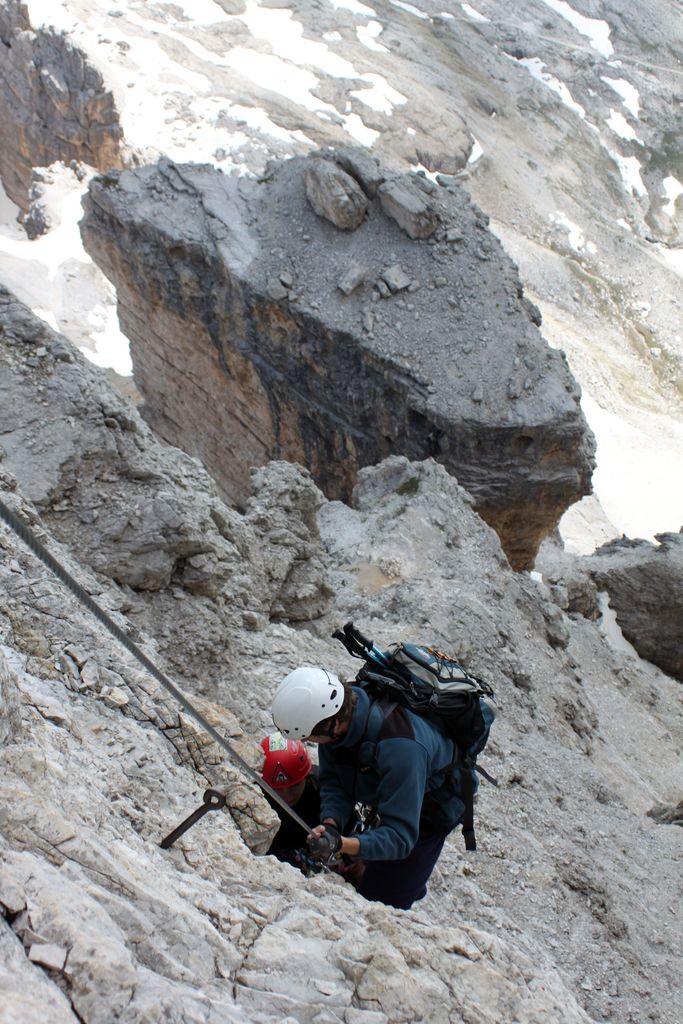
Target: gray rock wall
[(259, 330), (97, 763), (644, 583), (53, 105), (147, 516)]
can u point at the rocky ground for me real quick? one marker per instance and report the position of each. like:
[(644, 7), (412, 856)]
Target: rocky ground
[(559, 121), (563, 123), (569, 911)]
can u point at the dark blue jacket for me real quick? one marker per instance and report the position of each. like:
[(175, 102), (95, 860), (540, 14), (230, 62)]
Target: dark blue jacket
[(404, 769)]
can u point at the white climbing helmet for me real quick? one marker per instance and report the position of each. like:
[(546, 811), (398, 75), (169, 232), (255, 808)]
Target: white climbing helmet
[(305, 697)]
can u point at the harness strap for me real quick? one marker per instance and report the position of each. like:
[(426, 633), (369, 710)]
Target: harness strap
[(485, 774)]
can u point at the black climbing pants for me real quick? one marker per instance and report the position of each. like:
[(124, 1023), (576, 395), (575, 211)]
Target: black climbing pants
[(399, 883)]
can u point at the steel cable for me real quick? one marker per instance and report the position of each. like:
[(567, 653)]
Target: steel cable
[(31, 541)]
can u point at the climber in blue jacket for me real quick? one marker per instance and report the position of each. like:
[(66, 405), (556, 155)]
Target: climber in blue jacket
[(385, 758)]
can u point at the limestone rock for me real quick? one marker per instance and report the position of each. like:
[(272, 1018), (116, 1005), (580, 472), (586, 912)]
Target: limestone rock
[(10, 708), (335, 195), (360, 165), (28, 993), (668, 814), (87, 789), (283, 511), (147, 516), (396, 278), (644, 582), (54, 105), (204, 926), (352, 277), (406, 204), (287, 390)]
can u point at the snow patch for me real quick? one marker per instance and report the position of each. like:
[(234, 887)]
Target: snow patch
[(620, 126), (381, 96), (55, 247), (477, 151), (575, 235), (475, 15), (610, 629), (48, 14), (424, 172), (295, 84), (415, 11), (629, 168), (674, 259), (535, 68), (9, 211), (596, 31), (646, 448), (48, 316), (672, 190), (358, 130), (286, 38), (256, 118), (368, 34), (355, 7), (43, 271), (111, 349), (630, 96)]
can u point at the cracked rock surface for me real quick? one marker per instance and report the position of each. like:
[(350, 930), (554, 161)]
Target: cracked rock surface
[(569, 912), (229, 290), (644, 582), (54, 104)]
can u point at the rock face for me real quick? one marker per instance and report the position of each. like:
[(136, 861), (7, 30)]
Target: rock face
[(645, 587), (53, 105), (97, 763), (246, 347), (109, 488)]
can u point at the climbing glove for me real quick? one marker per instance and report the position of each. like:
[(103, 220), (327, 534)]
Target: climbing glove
[(325, 847)]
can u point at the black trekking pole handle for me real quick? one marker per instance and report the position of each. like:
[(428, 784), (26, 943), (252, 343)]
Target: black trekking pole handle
[(356, 634)]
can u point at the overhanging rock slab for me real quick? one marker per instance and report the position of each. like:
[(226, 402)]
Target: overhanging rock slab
[(237, 373)]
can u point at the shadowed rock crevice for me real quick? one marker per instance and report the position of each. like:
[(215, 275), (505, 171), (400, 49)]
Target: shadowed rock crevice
[(54, 105), (644, 582), (261, 330)]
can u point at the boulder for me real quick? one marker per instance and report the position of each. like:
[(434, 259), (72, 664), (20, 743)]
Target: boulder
[(644, 582), (353, 276), (396, 278), (405, 202), (335, 195), (360, 165), (667, 814), (238, 375)]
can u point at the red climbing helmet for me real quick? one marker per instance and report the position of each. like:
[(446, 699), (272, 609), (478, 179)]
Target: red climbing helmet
[(286, 763)]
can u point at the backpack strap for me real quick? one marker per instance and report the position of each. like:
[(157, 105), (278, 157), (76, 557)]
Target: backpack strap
[(467, 791), (386, 720)]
